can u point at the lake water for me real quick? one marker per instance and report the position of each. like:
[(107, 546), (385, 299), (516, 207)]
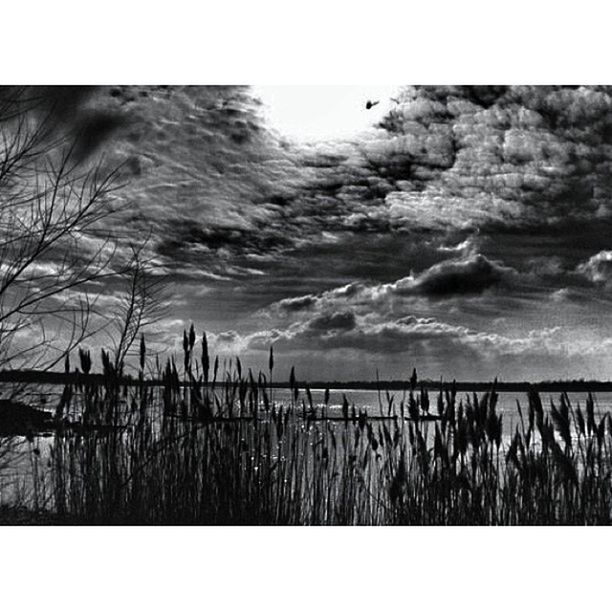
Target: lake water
[(506, 403), (376, 403), (21, 460)]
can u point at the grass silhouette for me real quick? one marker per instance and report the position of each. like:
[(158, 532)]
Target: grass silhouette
[(211, 447)]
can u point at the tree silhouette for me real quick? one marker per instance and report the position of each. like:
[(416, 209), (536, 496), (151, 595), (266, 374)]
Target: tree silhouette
[(53, 246)]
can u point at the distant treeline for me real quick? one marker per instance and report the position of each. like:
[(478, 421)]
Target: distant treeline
[(62, 378)]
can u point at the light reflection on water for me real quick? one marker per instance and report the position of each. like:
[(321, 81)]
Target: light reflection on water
[(506, 403)]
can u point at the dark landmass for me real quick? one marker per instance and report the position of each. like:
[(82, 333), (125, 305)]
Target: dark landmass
[(431, 385), (62, 378), (18, 419)]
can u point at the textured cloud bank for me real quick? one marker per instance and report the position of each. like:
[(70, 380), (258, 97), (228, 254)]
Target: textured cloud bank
[(472, 276), (343, 329), (219, 185), (343, 338), (467, 224)]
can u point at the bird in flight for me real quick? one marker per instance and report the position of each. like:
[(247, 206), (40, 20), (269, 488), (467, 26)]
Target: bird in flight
[(370, 104)]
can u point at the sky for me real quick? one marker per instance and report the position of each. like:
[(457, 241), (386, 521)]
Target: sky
[(464, 231)]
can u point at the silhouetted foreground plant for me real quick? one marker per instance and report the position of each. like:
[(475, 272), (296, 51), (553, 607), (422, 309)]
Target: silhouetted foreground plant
[(203, 450)]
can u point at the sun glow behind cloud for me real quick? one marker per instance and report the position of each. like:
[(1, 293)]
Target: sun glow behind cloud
[(318, 113)]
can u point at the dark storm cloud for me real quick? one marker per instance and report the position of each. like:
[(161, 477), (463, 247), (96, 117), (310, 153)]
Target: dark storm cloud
[(93, 129), (455, 277), (336, 321), (71, 114), (61, 104)]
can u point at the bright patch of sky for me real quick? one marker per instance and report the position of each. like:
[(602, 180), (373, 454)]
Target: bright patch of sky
[(324, 112)]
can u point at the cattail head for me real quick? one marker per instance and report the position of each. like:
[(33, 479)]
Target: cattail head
[(292, 377), (85, 359), (192, 337), (413, 379), (345, 408), (143, 351), (205, 357), (580, 421), (271, 359), (590, 410), (424, 399), (238, 367), (106, 365)]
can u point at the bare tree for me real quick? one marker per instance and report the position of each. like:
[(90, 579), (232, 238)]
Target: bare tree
[(53, 248), (141, 306)]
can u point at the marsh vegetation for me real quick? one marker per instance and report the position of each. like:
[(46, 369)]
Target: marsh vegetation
[(215, 447)]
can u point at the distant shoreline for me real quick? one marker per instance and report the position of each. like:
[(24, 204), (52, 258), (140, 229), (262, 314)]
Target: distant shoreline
[(61, 378)]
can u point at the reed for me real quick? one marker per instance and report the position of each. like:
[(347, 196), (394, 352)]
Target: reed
[(221, 450)]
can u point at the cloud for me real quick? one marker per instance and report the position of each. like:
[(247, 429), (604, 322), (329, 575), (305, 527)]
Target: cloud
[(297, 304), (598, 269), (409, 334), (455, 277), (334, 322), (343, 329), (464, 277), (568, 294), (72, 113)]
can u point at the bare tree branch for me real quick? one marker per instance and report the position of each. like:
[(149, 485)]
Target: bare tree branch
[(53, 244)]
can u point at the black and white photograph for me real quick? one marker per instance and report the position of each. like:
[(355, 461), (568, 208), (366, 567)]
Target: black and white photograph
[(306, 305), (289, 317)]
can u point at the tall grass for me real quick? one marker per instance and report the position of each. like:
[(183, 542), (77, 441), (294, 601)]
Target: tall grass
[(214, 448)]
